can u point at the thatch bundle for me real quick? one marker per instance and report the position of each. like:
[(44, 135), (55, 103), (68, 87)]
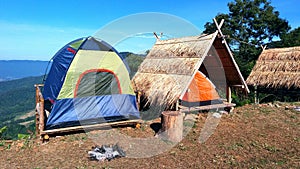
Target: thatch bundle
[(169, 67), (277, 68)]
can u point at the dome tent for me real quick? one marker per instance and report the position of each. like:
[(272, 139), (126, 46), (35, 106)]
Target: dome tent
[(88, 83)]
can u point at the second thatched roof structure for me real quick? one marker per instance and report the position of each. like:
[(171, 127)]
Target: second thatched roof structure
[(277, 68)]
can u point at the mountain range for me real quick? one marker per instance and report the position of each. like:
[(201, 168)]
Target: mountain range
[(16, 69)]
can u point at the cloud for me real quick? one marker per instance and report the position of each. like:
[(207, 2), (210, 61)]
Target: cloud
[(33, 41)]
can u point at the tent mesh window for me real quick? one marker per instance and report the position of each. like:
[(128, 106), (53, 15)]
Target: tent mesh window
[(96, 84)]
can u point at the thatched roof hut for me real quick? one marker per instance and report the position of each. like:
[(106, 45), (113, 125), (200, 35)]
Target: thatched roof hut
[(168, 69), (277, 68)]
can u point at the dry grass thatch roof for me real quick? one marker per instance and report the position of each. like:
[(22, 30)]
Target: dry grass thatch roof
[(277, 68), (169, 66), (168, 69)]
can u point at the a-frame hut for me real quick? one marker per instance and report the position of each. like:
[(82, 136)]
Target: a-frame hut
[(277, 71), (189, 73)]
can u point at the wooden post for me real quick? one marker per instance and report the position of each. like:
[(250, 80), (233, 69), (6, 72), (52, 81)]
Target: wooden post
[(40, 113), (177, 105), (138, 100), (37, 124), (228, 94), (172, 125), (37, 117), (255, 95)]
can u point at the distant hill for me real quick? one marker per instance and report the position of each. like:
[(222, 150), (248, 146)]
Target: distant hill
[(126, 54), (17, 97), (16, 69)]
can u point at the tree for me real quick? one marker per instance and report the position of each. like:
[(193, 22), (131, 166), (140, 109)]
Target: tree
[(133, 61), (290, 39), (250, 24), (2, 130)]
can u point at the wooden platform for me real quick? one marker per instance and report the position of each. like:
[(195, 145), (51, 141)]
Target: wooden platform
[(208, 107), (91, 127)]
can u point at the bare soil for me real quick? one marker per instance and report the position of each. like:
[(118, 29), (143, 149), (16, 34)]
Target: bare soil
[(253, 136)]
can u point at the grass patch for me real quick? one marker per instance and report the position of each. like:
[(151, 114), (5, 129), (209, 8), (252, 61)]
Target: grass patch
[(281, 162), (235, 146), (270, 148), (266, 111)]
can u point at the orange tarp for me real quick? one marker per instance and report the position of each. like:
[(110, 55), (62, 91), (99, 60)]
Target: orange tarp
[(200, 89)]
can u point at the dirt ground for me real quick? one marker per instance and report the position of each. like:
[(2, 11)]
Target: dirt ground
[(253, 136)]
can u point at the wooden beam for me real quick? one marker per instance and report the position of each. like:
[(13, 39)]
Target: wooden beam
[(208, 107), (91, 127)]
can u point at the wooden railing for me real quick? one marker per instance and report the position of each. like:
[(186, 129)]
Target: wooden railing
[(39, 110)]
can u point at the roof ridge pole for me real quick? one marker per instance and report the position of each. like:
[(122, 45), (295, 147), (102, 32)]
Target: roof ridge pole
[(219, 26), (263, 47), (156, 36)]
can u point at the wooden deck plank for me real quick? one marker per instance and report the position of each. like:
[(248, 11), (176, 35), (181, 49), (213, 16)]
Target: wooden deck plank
[(208, 107), (91, 127)]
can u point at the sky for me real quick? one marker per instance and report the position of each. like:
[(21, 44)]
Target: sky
[(36, 30)]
